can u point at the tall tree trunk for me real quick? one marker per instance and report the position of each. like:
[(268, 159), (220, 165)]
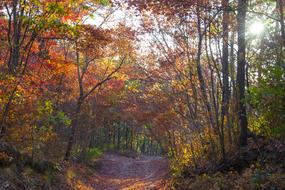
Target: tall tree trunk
[(6, 111), (233, 105), (73, 130), (225, 71), (131, 139), (202, 82), (127, 138), (241, 62), (199, 70), (77, 110), (7, 106), (281, 12), (15, 49), (114, 136), (119, 137)]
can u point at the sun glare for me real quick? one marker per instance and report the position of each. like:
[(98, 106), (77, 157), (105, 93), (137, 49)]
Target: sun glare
[(256, 28)]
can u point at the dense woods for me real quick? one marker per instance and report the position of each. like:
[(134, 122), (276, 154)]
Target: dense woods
[(199, 82)]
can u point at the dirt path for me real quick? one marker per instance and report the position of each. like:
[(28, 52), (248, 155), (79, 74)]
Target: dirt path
[(122, 173)]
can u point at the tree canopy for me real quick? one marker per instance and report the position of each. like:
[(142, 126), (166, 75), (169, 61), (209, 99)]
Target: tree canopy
[(196, 81)]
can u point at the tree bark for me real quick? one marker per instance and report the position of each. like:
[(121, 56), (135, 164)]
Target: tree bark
[(225, 71), (6, 111), (241, 63), (73, 130), (199, 70), (281, 12), (127, 137), (15, 49), (119, 137)]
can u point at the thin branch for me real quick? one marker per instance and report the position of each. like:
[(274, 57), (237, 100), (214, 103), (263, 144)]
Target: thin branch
[(109, 77)]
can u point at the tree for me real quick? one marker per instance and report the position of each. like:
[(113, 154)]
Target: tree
[(84, 47), (83, 95), (241, 63), (225, 71), (27, 21)]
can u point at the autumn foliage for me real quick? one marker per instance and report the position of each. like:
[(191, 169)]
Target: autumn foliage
[(184, 79)]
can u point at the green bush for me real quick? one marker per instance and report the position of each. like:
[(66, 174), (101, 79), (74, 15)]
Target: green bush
[(268, 98), (93, 153)]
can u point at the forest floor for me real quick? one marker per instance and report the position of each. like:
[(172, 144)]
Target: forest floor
[(260, 165), (112, 171), (116, 172)]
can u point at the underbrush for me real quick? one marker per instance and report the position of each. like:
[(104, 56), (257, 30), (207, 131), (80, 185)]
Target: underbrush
[(85, 155), (19, 171), (124, 152), (13, 177), (247, 169), (129, 153), (251, 178)]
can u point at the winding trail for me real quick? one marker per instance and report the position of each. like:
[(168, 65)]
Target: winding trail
[(122, 173)]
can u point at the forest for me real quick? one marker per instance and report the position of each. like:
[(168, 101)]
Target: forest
[(142, 94)]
